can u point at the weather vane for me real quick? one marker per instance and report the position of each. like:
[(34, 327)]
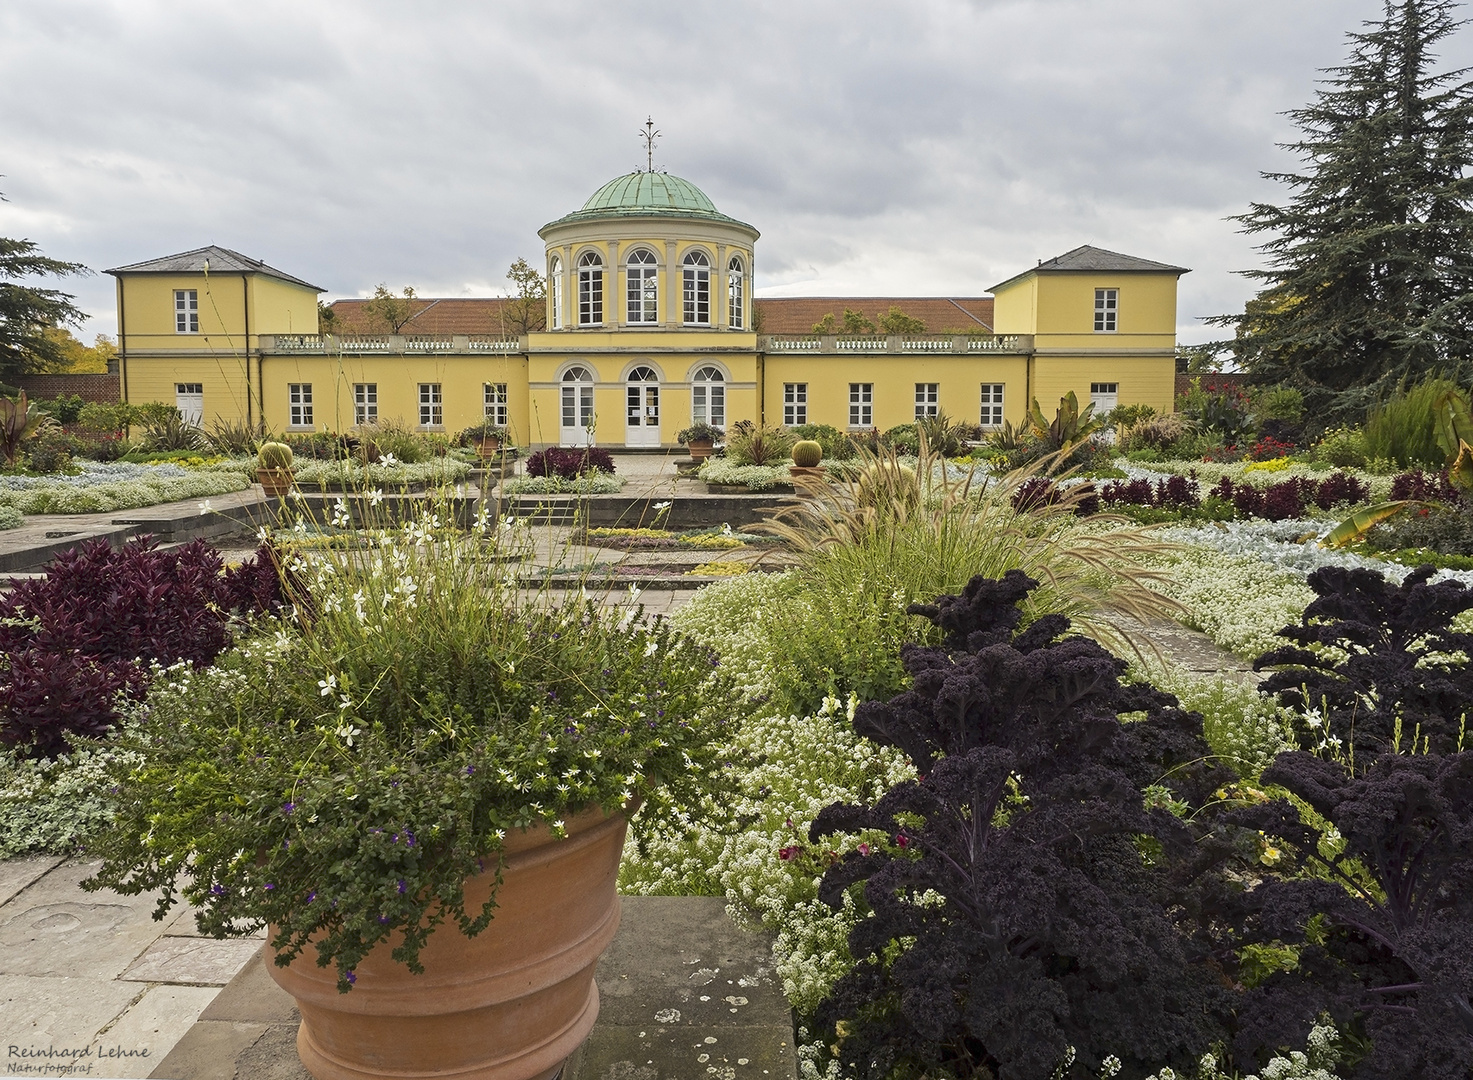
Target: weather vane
[(649, 134)]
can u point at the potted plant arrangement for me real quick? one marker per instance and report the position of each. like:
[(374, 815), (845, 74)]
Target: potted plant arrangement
[(487, 437), (701, 438), (274, 468), (807, 458), (419, 778)]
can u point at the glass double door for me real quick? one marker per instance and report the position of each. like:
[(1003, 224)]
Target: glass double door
[(642, 408)]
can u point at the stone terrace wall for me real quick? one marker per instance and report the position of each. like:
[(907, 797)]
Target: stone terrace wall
[(104, 388)]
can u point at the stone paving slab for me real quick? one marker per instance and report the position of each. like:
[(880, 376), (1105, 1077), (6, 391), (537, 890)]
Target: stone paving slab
[(196, 961), (17, 874), (159, 1019)]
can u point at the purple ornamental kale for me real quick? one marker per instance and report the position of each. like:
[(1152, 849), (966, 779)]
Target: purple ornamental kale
[(1028, 822), (1385, 923), (1394, 643)]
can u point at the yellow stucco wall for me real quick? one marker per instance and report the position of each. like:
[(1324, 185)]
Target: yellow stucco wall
[(959, 381), (154, 378), (225, 300), (1142, 380)]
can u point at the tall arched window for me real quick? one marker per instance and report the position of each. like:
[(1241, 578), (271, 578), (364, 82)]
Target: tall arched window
[(708, 397), (736, 306), (590, 289), (644, 288), (555, 281), (577, 412), (697, 289)]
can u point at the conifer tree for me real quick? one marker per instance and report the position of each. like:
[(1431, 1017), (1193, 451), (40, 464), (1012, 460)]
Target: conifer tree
[(1369, 282)]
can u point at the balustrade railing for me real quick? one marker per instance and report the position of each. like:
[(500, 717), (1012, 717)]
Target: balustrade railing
[(898, 343), (485, 343), (800, 344), (427, 343)]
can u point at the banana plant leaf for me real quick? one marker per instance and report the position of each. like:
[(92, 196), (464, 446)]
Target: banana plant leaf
[(1359, 523), (1454, 423)]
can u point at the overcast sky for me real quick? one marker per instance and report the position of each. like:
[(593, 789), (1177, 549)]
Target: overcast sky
[(910, 147)]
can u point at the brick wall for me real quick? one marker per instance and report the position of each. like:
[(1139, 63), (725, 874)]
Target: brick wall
[(1212, 380), (87, 387)]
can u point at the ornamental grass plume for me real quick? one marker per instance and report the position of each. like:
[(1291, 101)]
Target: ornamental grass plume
[(888, 535), (341, 773)]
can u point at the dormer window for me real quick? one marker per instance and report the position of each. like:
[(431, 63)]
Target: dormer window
[(697, 273), (644, 287), (590, 289), (735, 294)]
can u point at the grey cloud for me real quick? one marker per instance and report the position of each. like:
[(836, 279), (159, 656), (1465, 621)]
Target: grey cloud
[(934, 146)]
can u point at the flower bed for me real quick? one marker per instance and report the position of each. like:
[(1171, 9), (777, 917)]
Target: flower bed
[(597, 483), (103, 487), (721, 472)]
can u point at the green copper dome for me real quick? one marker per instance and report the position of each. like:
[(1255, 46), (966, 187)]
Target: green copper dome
[(647, 194)]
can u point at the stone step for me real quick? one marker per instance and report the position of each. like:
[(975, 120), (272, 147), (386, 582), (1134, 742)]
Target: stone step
[(683, 993)]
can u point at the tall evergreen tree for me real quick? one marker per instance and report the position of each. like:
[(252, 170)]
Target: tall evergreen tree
[(1370, 278), (27, 313)]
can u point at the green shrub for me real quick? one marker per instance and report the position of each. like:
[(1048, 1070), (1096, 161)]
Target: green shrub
[(1342, 447), (392, 437), (1404, 430), (10, 517), (1279, 403), (64, 409), (837, 445), (51, 451)]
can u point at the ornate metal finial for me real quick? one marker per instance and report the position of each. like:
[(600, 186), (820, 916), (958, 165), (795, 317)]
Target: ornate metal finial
[(649, 134)]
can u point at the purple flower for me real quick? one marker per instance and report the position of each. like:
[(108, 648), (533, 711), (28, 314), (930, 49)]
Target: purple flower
[(287, 808), (401, 886), (470, 770), (383, 918), (312, 896), (350, 977), (217, 890), (269, 886)]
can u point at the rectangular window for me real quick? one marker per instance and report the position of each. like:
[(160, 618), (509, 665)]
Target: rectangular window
[(861, 405), (1104, 396), (644, 292), (186, 311), (494, 403), (365, 403), (991, 405), (189, 399), (590, 296), (708, 403), (1107, 307), (735, 301), (431, 406), (927, 394), (795, 404), (299, 398), (697, 296)]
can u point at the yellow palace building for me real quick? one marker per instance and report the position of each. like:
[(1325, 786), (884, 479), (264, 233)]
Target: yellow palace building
[(650, 326)]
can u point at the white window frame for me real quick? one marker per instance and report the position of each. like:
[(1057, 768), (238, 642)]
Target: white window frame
[(299, 405), (736, 300), (494, 406), (1104, 396), (696, 278), (708, 397), (590, 289), (642, 287), (795, 404), (928, 399), (1107, 311), (365, 404), (431, 405), (861, 405), (991, 410), (555, 280), (186, 311)]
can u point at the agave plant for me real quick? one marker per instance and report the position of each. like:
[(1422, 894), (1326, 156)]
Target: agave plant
[(19, 421)]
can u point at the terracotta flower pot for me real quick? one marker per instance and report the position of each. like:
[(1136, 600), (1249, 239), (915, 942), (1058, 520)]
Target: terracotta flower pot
[(700, 449), (509, 1004), (488, 447), (275, 482)]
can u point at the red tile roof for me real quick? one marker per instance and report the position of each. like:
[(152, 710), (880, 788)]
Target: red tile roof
[(776, 315)]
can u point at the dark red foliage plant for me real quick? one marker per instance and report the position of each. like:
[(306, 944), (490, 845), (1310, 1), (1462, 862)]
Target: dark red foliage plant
[(86, 633), (569, 463), (1025, 871), (1424, 487)]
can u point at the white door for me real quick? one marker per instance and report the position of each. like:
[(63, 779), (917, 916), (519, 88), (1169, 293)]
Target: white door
[(189, 399), (642, 408), (576, 428), (1104, 396)]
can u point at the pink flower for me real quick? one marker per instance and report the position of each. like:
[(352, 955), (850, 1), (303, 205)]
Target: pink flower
[(902, 840), (864, 849), (788, 852)]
